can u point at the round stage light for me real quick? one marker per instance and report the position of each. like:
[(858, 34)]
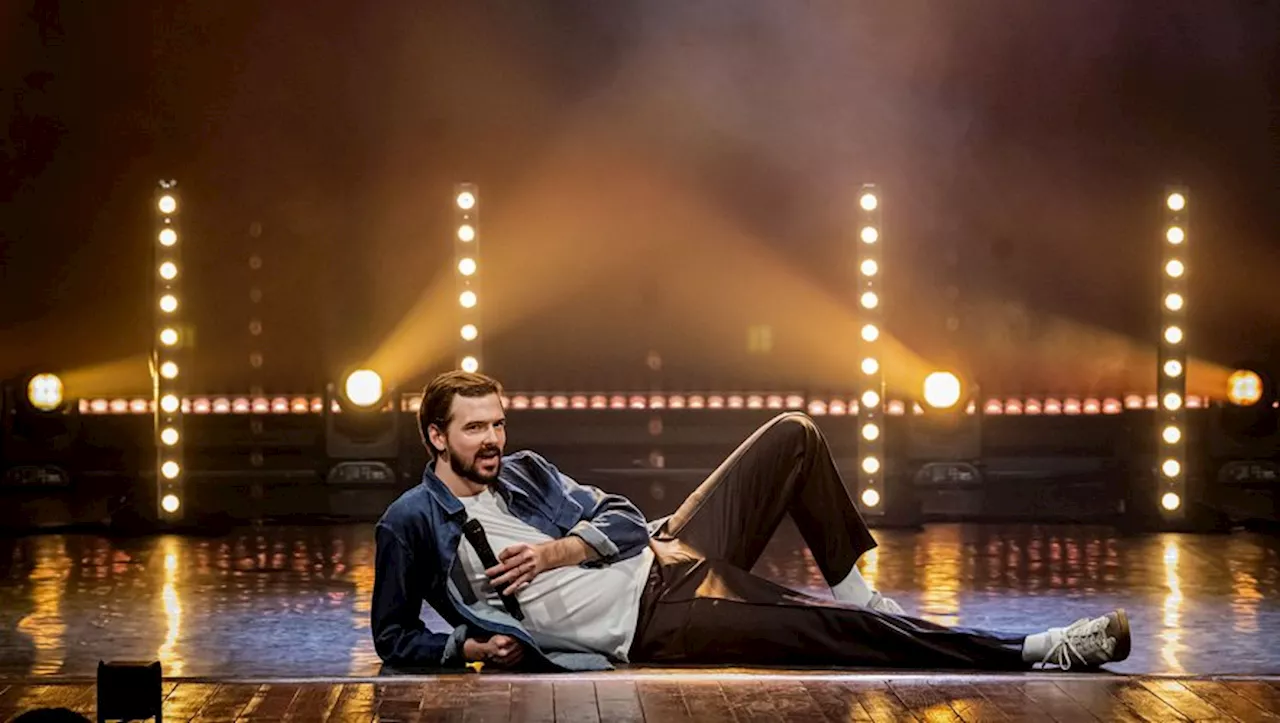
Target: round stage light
[(168, 204), (363, 388), (870, 399), (869, 267), (168, 237), (170, 503), (1172, 401), (870, 497), (467, 299), (1174, 268), (942, 390), (870, 465), (466, 233), (44, 391), (169, 436), (466, 200), (1176, 202), (470, 364), (869, 300), (1173, 302), (870, 432), (168, 303), (169, 370), (1173, 368), (870, 332), (467, 266), (168, 271), (1171, 468), (869, 234), (1175, 235), (870, 365), (1244, 387), (168, 337), (1171, 435), (1170, 501), (868, 202), (169, 403), (170, 470), (469, 332), (1173, 335)]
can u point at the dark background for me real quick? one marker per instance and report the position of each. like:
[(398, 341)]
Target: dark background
[(655, 176)]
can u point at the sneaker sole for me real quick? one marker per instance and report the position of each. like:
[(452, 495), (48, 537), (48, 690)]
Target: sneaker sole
[(1120, 629)]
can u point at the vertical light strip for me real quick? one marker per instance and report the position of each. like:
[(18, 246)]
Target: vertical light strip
[(168, 364), (466, 252), (870, 374), (1172, 360)]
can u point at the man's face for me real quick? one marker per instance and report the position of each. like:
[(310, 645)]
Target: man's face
[(474, 439)]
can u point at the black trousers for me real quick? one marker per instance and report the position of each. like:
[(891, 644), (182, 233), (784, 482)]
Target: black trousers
[(702, 605)]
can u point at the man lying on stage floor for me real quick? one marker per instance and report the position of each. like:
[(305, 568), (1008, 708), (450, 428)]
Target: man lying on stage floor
[(581, 581)]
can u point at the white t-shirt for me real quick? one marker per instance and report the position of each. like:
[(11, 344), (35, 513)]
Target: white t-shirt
[(568, 608)]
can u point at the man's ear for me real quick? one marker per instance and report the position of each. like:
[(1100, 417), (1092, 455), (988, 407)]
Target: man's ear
[(435, 439)]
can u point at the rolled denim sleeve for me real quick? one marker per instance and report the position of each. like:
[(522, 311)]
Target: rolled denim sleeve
[(399, 635), (611, 525)]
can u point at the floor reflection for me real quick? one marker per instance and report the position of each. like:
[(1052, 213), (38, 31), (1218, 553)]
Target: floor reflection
[(295, 601)]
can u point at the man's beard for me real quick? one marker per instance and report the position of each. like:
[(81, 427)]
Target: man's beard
[(468, 471)]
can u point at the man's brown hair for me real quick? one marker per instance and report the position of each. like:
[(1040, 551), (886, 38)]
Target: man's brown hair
[(437, 399)]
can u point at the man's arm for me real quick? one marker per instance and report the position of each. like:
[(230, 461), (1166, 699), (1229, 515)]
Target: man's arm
[(611, 525), (399, 635)]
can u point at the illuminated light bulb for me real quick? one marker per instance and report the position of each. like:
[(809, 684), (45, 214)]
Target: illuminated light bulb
[(466, 266), (1173, 302), (870, 366), (870, 465), (169, 403), (868, 202), (870, 497), (870, 332), (1173, 335), (869, 267), (168, 303), (170, 469), (168, 204), (170, 503), (169, 337), (870, 432), (869, 234), (1176, 201), (1175, 235), (169, 370), (466, 200), (1171, 435), (1172, 401), (1170, 501), (1174, 268), (470, 364), (168, 237), (1171, 468), (869, 300), (467, 299), (469, 332), (870, 399), (169, 436)]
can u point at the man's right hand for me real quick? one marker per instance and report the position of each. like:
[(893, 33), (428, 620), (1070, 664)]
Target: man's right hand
[(502, 651)]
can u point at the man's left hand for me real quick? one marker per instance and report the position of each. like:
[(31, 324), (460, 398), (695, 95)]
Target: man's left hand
[(517, 566)]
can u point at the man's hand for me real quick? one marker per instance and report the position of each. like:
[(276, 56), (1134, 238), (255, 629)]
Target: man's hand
[(502, 651), (517, 566)]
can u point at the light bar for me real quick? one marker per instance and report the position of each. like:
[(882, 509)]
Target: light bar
[(167, 360), (1171, 365), (466, 252), (870, 373)]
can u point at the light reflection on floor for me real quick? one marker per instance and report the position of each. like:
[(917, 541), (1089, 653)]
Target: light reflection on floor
[(295, 601)]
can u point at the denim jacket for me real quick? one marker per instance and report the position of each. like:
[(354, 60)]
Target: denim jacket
[(417, 544)]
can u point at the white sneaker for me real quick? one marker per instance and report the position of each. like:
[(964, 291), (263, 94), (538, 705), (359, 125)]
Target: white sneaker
[(883, 604), (1090, 643)]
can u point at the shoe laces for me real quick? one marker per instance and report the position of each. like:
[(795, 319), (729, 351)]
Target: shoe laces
[(1082, 640)]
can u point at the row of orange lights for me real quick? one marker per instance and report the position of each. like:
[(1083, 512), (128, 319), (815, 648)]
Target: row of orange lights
[(815, 407)]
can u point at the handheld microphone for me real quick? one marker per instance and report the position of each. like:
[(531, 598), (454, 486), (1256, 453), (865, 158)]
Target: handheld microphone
[(475, 535)]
